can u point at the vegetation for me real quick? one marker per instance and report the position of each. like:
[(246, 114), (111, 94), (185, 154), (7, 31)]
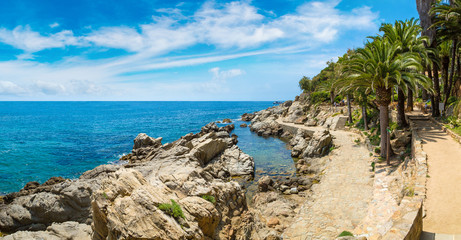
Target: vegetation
[(408, 61), (172, 209), (209, 198), (345, 234)]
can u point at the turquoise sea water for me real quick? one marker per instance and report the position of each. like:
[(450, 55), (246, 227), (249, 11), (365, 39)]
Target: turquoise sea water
[(39, 140)]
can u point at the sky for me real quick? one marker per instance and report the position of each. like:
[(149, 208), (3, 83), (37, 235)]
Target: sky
[(152, 50)]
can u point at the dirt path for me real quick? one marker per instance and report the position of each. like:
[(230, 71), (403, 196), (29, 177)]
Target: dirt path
[(341, 199), (443, 197)]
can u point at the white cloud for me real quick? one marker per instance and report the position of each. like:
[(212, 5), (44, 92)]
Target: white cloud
[(9, 88), (25, 39), (54, 25)]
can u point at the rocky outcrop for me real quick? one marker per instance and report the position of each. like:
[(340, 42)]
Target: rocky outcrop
[(319, 144), (248, 117), (57, 231), (123, 201)]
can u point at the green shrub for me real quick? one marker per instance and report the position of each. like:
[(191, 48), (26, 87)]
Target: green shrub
[(451, 99), (172, 209), (321, 96), (374, 140), (345, 234), (339, 98), (209, 198), (377, 150), (373, 164)]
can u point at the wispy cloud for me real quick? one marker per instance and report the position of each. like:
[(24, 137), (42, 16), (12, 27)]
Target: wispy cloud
[(222, 31)]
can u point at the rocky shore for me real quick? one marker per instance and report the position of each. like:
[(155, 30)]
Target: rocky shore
[(185, 189)]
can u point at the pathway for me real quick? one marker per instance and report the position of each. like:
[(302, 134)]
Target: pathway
[(443, 197), (341, 199)]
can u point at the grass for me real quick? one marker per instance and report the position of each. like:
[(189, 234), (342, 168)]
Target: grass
[(357, 141), (373, 166), (104, 194), (345, 234), (409, 191), (332, 148), (172, 209), (209, 198)]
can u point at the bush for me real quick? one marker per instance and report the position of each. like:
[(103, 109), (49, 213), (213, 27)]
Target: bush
[(318, 97), (451, 100), (209, 198), (345, 234), (339, 98), (172, 209)]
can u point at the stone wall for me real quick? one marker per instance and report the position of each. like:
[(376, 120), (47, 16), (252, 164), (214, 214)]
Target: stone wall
[(396, 210), (447, 130)]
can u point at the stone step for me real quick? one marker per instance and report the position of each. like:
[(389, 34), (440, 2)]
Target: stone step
[(439, 236)]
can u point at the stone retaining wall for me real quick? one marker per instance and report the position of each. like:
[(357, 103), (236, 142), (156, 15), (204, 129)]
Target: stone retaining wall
[(392, 215)]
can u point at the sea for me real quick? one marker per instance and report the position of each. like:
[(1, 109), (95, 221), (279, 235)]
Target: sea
[(39, 140)]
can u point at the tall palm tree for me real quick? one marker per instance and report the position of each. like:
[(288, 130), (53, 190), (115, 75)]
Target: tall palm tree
[(405, 35), (447, 22), (380, 67)]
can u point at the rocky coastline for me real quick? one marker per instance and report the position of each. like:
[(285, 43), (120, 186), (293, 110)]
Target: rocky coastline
[(185, 189)]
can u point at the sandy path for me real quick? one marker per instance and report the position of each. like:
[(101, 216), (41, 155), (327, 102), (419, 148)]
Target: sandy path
[(443, 197), (341, 199)]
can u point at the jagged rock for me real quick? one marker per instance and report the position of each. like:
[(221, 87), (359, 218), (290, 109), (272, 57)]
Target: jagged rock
[(401, 141), (248, 117), (287, 103), (227, 128), (237, 162), (210, 127), (57, 231), (66, 201), (226, 120), (319, 144), (265, 184), (243, 125), (142, 140), (208, 149)]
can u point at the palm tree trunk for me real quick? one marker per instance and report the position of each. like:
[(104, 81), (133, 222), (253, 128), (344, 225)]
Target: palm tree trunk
[(332, 97), (349, 109), (383, 97), (401, 122), (364, 116), (436, 101), (452, 74), (410, 100)]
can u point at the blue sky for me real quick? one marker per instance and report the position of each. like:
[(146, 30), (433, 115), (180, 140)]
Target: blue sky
[(177, 50)]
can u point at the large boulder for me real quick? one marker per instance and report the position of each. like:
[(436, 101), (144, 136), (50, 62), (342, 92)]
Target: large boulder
[(248, 117), (319, 145), (142, 141), (208, 149), (237, 162)]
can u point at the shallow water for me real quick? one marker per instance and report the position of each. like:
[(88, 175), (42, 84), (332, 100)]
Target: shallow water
[(39, 140)]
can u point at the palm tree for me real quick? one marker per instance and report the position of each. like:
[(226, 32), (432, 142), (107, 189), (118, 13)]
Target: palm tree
[(447, 22), (380, 67), (405, 35)]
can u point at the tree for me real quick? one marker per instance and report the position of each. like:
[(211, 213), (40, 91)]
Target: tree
[(306, 84), (447, 22), (380, 67), (405, 35), (424, 7)]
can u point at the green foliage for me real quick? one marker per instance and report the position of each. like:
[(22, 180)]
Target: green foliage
[(336, 114), (339, 98), (377, 150), (172, 209), (375, 140), (357, 141), (393, 126), (373, 164), (306, 84), (345, 234), (451, 100), (409, 191), (332, 148), (209, 198), (318, 97)]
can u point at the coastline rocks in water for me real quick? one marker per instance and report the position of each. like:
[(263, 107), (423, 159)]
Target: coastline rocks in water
[(210, 127), (226, 120), (243, 125), (57, 231), (248, 117)]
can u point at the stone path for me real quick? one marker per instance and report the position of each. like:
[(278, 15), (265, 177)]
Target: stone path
[(341, 199), (443, 197)]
